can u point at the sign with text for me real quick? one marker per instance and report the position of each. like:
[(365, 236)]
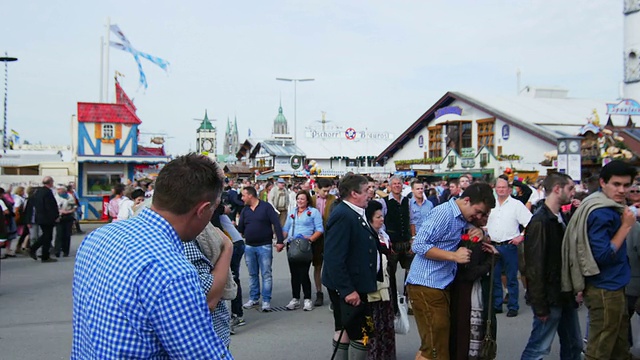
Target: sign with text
[(624, 107)]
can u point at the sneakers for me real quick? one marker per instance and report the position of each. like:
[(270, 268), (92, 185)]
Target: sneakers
[(251, 304), (319, 299), (294, 304), (266, 306), (308, 305), (234, 323), (238, 321)]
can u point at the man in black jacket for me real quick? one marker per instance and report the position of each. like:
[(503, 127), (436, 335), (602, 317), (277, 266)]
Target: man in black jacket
[(47, 215), (350, 267), (553, 310)]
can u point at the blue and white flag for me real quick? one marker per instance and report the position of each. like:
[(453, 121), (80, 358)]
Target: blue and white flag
[(126, 46)]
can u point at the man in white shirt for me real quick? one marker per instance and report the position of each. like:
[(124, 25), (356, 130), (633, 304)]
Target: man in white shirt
[(504, 225)]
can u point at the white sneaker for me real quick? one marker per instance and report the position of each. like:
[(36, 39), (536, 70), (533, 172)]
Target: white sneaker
[(266, 306), (308, 305), (293, 304), (250, 304)]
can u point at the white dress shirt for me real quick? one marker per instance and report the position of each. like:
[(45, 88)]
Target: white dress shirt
[(505, 218)]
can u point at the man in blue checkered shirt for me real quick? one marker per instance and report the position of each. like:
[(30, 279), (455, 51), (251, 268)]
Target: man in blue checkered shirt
[(437, 255), (135, 294)]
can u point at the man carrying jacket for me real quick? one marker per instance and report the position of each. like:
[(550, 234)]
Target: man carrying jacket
[(553, 310)]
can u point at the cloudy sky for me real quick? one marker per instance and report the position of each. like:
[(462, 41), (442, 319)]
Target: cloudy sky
[(376, 64)]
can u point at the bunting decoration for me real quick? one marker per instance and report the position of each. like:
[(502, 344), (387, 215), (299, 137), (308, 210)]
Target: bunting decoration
[(125, 45)]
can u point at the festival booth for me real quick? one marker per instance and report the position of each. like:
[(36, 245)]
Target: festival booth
[(108, 152)]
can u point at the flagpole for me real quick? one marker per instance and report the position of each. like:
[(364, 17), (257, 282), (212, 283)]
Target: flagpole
[(106, 73), (101, 67)]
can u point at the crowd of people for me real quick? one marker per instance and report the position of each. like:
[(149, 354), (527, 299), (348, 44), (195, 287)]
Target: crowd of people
[(463, 245), (31, 216)]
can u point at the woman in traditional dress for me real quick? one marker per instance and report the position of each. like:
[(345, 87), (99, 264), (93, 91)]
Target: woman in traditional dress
[(382, 344), (470, 299)]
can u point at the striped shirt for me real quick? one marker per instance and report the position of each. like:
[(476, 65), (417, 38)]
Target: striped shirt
[(442, 229), (136, 296)]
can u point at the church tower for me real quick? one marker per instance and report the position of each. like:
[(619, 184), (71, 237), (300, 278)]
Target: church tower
[(231, 141), (280, 127), (631, 50), (206, 142)]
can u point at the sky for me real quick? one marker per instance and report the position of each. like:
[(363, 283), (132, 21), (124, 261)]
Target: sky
[(376, 64)]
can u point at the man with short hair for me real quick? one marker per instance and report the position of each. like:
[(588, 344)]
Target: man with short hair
[(419, 207), (504, 229), (604, 272), (464, 183), (135, 294), (454, 189), (397, 222), (257, 222), (553, 310), (46, 216), (279, 198), (323, 201), (434, 267), (350, 270)]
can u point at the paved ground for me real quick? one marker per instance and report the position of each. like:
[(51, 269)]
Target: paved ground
[(35, 320)]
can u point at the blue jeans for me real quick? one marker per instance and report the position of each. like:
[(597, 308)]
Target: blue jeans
[(508, 259), (238, 252), (259, 258), (564, 321)]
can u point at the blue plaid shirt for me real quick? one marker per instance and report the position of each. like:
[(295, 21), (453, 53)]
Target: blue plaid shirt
[(135, 295), (220, 316), (442, 228)]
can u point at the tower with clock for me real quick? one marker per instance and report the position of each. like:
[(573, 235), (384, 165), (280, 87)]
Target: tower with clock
[(206, 140), (570, 156), (631, 49)]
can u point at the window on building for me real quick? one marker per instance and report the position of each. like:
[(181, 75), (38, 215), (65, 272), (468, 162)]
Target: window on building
[(435, 141), (484, 158), (100, 183), (107, 131), (485, 133), (459, 135)]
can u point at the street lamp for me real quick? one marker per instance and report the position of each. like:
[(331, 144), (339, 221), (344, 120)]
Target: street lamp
[(295, 114), (6, 59)]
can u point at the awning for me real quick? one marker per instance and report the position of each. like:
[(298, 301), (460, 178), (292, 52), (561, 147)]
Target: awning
[(457, 174), (274, 174), (124, 159)]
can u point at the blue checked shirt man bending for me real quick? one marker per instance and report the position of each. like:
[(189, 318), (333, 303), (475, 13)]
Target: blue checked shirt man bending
[(437, 255), (135, 294)]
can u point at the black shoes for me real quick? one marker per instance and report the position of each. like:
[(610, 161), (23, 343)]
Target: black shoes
[(319, 299), (497, 310), (33, 255), (512, 313), (49, 260)]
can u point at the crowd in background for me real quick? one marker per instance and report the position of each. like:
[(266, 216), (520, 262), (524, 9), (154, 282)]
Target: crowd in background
[(486, 238)]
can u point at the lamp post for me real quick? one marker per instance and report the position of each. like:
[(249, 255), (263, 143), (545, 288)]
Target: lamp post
[(6, 59), (295, 110)]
